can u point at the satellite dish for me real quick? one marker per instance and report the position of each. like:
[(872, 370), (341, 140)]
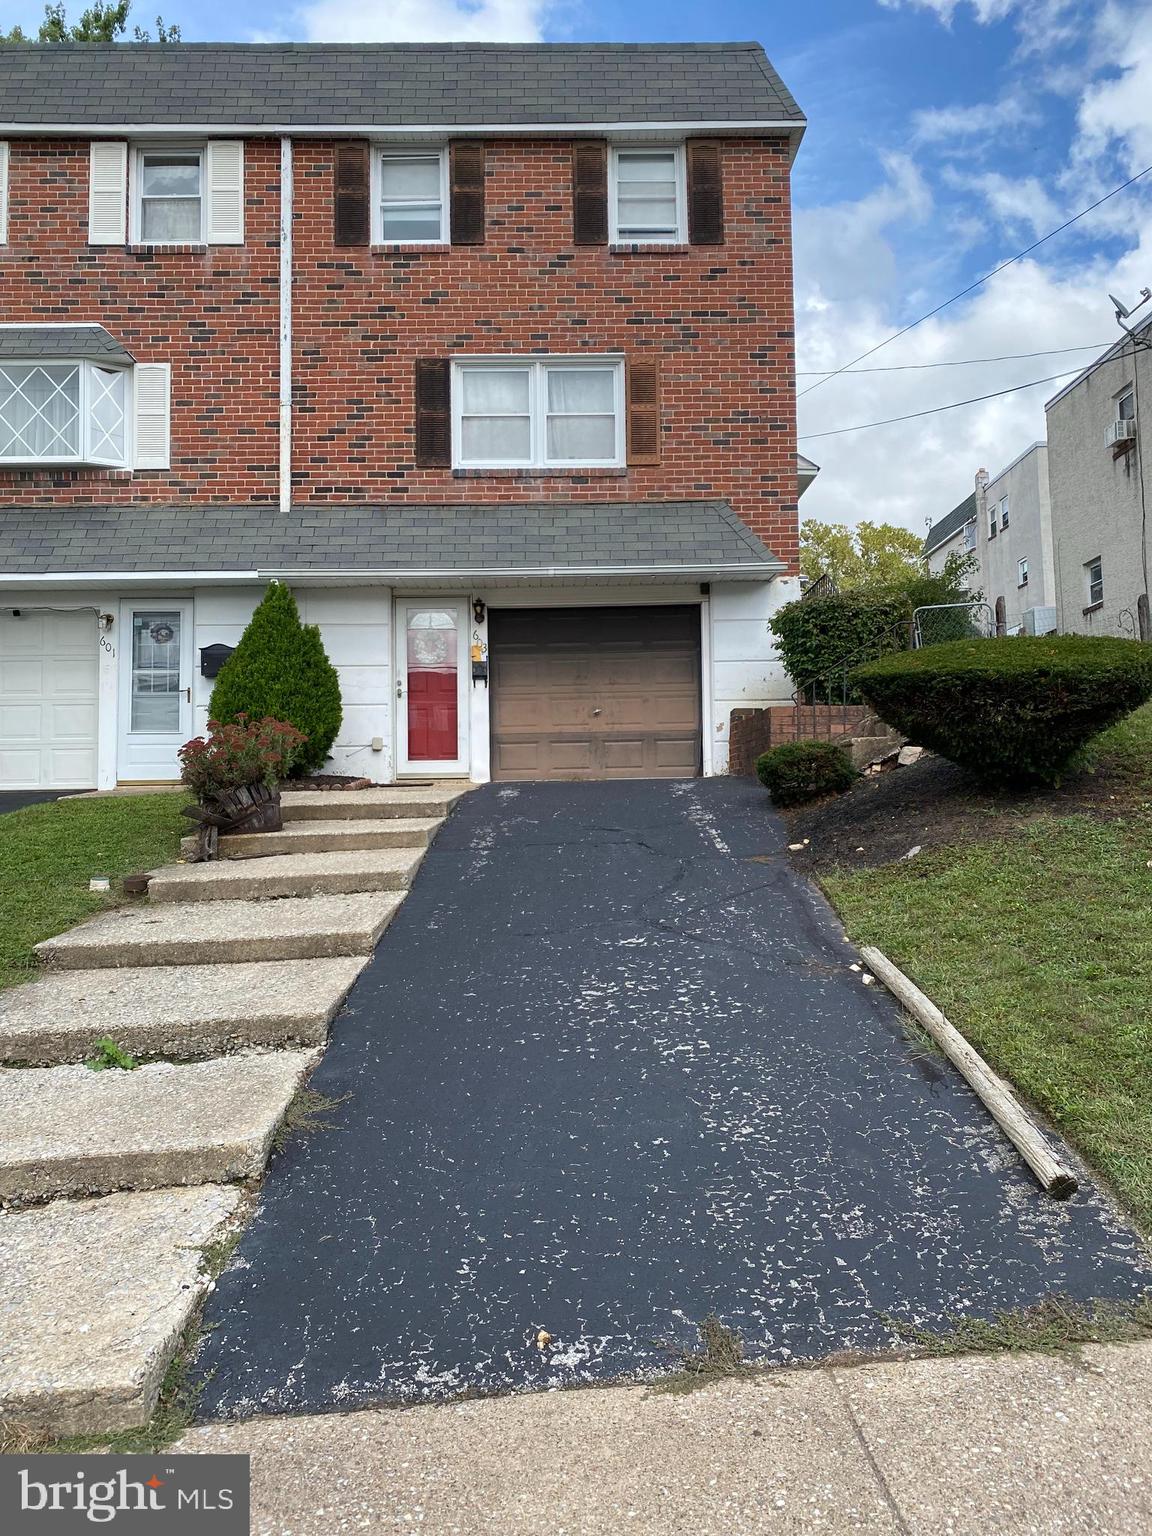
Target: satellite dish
[(1122, 310)]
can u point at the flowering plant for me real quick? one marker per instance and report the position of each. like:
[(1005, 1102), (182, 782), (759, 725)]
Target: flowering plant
[(245, 752)]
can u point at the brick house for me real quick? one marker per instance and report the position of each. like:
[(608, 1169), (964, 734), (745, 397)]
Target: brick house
[(487, 351)]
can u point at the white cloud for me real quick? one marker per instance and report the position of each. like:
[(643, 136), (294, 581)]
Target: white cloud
[(419, 21), (915, 472), (980, 121), (1019, 204), (1117, 111)]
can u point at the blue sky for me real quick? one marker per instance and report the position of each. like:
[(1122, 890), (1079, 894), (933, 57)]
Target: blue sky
[(945, 135)]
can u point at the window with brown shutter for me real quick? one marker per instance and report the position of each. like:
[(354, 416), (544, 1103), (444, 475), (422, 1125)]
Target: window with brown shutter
[(705, 193), (643, 382), (351, 198), (467, 193), (433, 413), (590, 193)]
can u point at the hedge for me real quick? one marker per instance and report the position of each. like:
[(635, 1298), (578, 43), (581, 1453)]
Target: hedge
[(802, 770), (280, 669), (1016, 711)]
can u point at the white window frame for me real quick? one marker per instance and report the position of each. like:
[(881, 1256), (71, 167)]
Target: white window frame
[(969, 537), (1003, 512), (136, 193), (1128, 393), (1094, 601), (1022, 571), (538, 368), (85, 455), (409, 152), (681, 235)]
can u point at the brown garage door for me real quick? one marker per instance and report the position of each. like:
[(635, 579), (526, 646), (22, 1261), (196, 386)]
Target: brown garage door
[(595, 693)]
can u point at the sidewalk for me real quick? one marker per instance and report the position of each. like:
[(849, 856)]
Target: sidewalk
[(1026, 1445)]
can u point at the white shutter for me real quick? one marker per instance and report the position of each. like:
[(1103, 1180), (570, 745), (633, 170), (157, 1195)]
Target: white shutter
[(3, 194), (152, 386), (225, 178), (108, 193)]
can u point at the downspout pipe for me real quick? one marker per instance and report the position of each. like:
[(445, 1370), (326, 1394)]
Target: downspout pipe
[(285, 325)]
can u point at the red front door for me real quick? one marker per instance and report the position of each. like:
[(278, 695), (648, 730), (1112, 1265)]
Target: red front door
[(433, 652)]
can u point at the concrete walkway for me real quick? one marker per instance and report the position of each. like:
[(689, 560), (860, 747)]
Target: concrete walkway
[(609, 1071), (1012, 1445)]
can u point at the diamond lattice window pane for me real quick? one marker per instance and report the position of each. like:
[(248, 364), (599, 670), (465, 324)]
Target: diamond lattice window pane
[(39, 411)]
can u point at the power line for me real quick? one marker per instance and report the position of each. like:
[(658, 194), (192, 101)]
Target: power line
[(963, 362), (1036, 244), (863, 426)]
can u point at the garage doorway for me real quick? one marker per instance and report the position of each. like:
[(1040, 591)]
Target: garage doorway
[(49, 665), (595, 693)]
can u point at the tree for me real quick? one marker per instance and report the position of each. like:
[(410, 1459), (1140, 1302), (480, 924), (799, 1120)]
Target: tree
[(281, 670), (105, 21), (871, 554)]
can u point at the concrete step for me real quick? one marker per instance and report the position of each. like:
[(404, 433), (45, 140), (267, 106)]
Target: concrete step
[(186, 1011), (288, 874), (96, 1296), (333, 836), (866, 749), (71, 1131), (208, 932), (392, 800)]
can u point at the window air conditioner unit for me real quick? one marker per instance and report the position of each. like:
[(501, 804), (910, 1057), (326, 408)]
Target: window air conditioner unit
[(1122, 431)]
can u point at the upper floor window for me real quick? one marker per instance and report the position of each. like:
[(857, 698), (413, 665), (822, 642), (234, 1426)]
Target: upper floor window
[(411, 198), (647, 197), (1003, 511), (1126, 405), (969, 536), (1022, 572), (1094, 572), (61, 413), (993, 522), (170, 203), (542, 414)]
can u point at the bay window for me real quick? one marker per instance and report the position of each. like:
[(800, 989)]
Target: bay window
[(63, 413), (543, 414)]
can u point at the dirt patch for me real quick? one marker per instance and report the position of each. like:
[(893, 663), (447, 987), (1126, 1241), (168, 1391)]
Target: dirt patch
[(934, 804)]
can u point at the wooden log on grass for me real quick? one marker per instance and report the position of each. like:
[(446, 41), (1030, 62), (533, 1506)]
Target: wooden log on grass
[(997, 1097)]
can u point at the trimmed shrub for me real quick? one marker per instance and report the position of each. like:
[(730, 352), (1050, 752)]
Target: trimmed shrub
[(817, 634), (280, 669), (1015, 711), (802, 770)]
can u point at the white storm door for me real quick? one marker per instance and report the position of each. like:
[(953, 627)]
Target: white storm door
[(432, 682), (155, 689)]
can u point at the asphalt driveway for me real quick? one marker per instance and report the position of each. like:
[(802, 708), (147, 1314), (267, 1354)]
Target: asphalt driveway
[(17, 799), (609, 1072)]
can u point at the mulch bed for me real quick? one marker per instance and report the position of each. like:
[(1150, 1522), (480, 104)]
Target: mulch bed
[(932, 804)]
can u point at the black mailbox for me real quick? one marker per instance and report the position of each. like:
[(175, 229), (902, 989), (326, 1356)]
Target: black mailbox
[(212, 658)]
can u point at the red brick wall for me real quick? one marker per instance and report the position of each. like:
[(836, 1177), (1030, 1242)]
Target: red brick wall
[(210, 312), (718, 318)]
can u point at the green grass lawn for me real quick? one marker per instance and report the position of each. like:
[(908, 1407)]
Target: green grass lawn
[(1037, 943), (48, 853)]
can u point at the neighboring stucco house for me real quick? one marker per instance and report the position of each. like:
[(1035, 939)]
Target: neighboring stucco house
[(1099, 448), (954, 534), (486, 350), (1014, 544)]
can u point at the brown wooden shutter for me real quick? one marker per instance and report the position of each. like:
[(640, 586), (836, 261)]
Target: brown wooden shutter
[(467, 177), (705, 193), (643, 379), (433, 413), (351, 197), (590, 192)]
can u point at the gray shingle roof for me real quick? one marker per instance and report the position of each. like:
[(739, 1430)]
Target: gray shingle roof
[(389, 85), (691, 534), (940, 532), (45, 342)]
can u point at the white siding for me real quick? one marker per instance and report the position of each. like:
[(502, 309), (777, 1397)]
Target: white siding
[(747, 672)]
